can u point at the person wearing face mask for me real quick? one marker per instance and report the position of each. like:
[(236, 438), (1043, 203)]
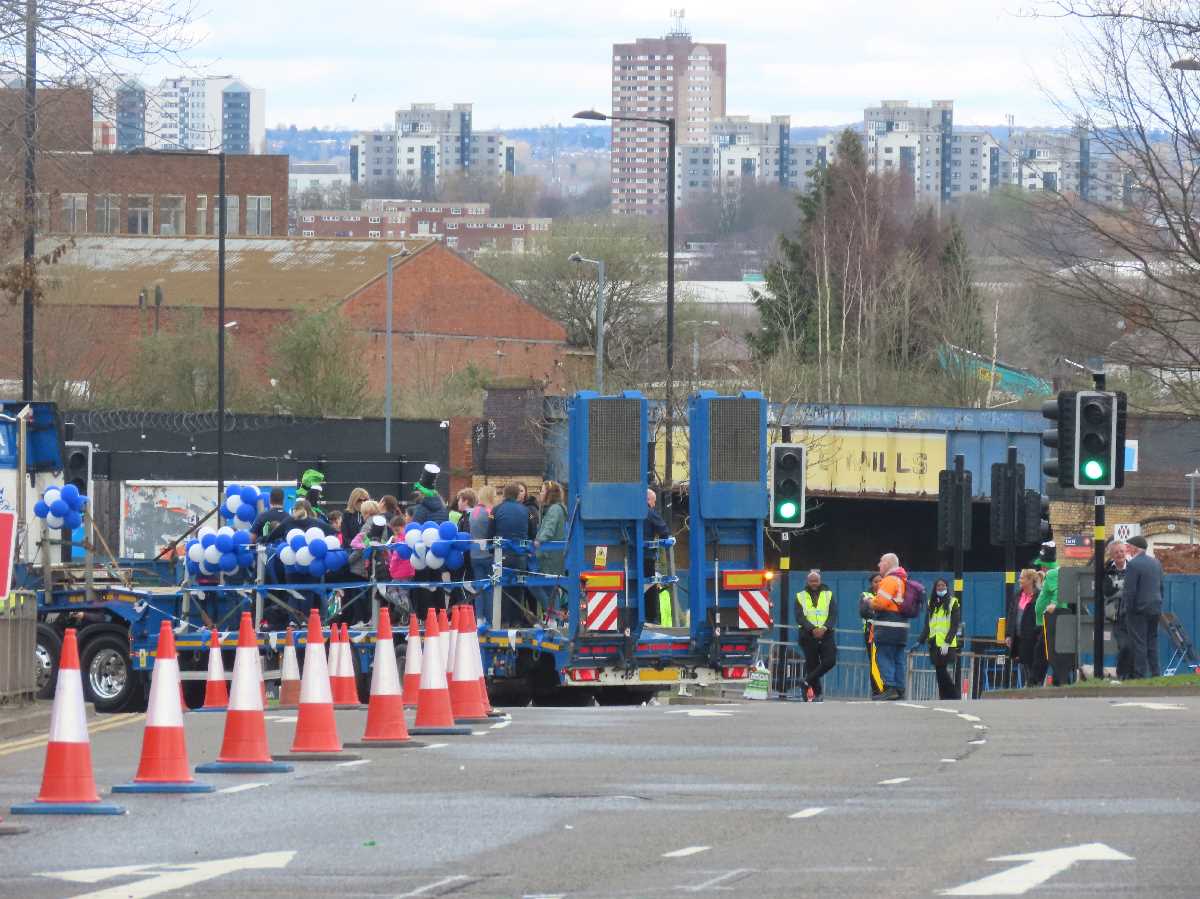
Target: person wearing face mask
[(818, 618), (943, 619)]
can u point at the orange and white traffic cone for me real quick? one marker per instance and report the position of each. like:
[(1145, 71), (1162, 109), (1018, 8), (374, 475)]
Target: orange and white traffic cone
[(385, 714), (316, 735), (341, 671), (471, 631), (164, 764), (443, 641), (434, 712), (216, 694), (412, 664), (464, 686), (244, 745), (68, 787), (289, 675), (452, 642)]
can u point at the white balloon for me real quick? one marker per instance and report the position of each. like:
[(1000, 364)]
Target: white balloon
[(51, 494), (196, 553), (53, 521), (294, 532), (226, 530), (430, 536), (287, 555), (212, 555), (242, 525), (418, 562), (314, 533), (434, 562), (332, 542), (413, 539), (233, 503), (204, 570), (304, 556), (206, 531)]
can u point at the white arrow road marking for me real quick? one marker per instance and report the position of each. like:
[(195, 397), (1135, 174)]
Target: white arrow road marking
[(685, 852), (808, 812), (1153, 706), (176, 878), (700, 713), (894, 780), (1038, 867)]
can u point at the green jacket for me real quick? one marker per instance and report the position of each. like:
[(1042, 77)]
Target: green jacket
[(553, 528), (1048, 596)]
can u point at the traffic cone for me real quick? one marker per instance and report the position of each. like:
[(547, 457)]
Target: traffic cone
[(471, 629), (316, 735), (341, 672), (244, 745), (465, 700), (385, 714), (452, 642), (434, 714), (68, 787), (216, 694), (164, 764), (443, 641), (412, 664), (289, 676)]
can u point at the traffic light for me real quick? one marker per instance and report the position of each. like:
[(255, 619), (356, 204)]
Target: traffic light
[(1034, 519), (1061, 437), (78, 467), (787, 485), (1099, 440), (954, 510)]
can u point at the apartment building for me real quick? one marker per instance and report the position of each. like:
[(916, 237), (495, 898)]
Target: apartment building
[(373, 158), (915, 140), (192, 114), (975, 164), (465, 228), (1065, 162), (668, 77)]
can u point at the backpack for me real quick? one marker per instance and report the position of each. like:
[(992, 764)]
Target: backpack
[(914, 599)]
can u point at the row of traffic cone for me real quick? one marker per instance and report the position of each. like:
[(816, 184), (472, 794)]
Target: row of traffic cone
[(68, 785)]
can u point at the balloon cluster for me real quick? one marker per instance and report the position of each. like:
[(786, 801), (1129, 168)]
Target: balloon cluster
[(312, 552), (240, 506), (61, 507), (219, 551), (434, 546)]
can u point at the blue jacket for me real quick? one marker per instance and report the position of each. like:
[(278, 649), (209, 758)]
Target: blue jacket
[(430, 508), (511, 521)]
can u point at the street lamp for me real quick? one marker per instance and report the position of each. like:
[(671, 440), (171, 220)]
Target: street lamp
[(599, 263), (1192, 506), (387, 410), (592, 115), (1188, 64)]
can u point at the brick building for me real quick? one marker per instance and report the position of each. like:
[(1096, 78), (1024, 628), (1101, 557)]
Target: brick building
[(460, 227)]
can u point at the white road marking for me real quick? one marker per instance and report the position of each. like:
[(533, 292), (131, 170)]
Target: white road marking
[(686, 851), (437, 745), (979, 726), (894, 780), (947, 711), (176, 877), (353, 763), (966, 717), (712, 884), (283, 719), (1153, 706), (480, 733), (912, 705), (978, 742), (445, 881), (950, 761), (502, 724), (700, 713), (240, 788), (1038, 867), (808, 812)]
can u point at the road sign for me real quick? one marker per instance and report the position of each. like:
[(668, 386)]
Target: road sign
[(1077, 546), (1122, 532), (1037, 868), (8, 544)]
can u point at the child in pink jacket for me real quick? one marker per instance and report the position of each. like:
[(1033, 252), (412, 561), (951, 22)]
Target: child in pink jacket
[(400, 569)]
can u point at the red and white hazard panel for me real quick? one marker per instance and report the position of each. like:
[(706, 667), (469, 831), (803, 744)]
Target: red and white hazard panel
[(602, 599), (754, 597)]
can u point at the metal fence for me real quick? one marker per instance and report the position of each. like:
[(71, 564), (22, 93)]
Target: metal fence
[(18, 638)]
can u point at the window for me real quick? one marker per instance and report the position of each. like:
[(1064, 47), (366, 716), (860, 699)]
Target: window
[(308, 218), (374, 220), (108, 214), (232, 220), (170, 216), (139, 214), (201, 214), (452, 242), (373, 234), (308, 233), (258, 216), (74, 213)]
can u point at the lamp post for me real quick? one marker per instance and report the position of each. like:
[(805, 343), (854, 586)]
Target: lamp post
[(600, 285), (669, 121), (1192, 505), (387, 399)]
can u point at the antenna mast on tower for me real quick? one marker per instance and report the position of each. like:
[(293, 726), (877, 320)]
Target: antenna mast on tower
[(678, 29)]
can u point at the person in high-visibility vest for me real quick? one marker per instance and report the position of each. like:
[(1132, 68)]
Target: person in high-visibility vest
[(943, 620), (866, 610), (818, 619)]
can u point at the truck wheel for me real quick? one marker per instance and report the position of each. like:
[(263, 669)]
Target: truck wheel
[(45, 661), (109, 681)]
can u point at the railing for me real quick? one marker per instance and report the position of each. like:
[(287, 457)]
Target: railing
[(18, 638)]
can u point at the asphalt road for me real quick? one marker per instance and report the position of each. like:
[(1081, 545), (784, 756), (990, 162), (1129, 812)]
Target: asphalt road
[(781, 799)]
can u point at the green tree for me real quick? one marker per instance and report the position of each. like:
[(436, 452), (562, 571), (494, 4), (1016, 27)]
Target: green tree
[(317, 368)]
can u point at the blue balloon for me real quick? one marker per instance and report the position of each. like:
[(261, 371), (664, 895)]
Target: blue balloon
[(245, 559), (316, 568), (208, 540), (193, 568), (440, 548), (447, 530), (228, 562), (242, 538), (412, 526), (404, 551), (334, 559), (59, 508), (231, 489), (245, 512), (298, 542), (224, 543), (83, 501), (40, 509), (73, 520), (249, 494), (454, 561), (318, 548), (69, 494)]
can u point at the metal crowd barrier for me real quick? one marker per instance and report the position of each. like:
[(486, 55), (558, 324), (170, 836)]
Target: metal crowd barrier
[(18, 638)]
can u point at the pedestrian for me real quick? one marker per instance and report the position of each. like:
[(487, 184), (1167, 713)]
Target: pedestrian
[(302, 517), (352, 519), (818, 622), (399, 570), (479, 522), (1046, 607), (335, 522), (511, 523), (866, 610), (943, 621), (1116, 555), (656, 598), (553, 529), (1141, 602), (891, 628), (531, 506), (389, 506), (1023, 633), (429, 505), (269, 517)]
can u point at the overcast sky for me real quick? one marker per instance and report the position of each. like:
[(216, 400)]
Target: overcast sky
[(535, 62)]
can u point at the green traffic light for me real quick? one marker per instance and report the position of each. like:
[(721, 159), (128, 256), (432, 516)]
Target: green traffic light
[(788, 509), (1093, 470)]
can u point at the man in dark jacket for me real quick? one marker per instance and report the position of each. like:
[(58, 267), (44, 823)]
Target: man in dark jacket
[(655, 528), (1141, 603), (268, 519), (818, 619), (430, 507), (511, 521)]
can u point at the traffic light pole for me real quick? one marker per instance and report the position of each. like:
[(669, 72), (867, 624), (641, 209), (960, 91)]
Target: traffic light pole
[(1098, 544), (1010, 536), (960, 502)]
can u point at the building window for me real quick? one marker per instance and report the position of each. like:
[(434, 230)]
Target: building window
[(374, 220), (258, 216), (74, 213), (452, 242), (308, 233), (201, 214), (170, 216), (373, 234), (139, 215), (108, 214), (232, 219)]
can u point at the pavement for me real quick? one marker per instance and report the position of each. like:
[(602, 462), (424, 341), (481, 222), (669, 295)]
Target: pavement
[(844, 799)]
